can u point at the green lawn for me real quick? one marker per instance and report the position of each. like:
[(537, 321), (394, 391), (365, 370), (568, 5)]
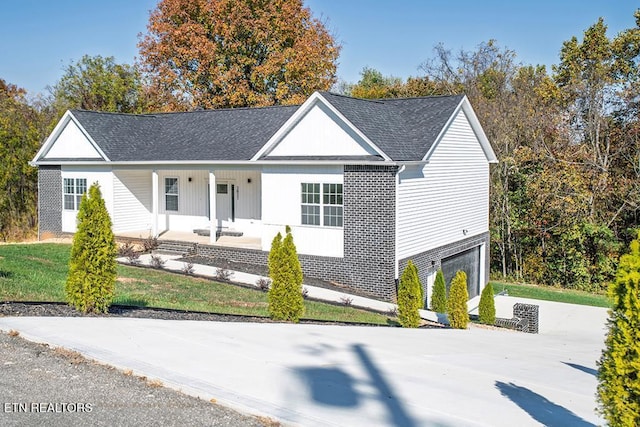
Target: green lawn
[(37, 272), (551, 294)]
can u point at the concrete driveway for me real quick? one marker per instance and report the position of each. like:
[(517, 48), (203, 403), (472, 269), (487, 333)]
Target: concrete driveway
[(314, 375)]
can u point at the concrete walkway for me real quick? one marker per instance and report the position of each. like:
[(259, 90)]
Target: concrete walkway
[(315, 375)]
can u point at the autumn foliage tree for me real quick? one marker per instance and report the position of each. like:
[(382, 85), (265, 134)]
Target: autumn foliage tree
[(235, 53), (21, 130)]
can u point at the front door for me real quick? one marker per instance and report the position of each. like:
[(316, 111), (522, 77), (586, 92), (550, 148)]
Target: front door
[(225, 204)]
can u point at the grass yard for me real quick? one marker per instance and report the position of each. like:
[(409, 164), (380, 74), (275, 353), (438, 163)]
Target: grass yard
[(37, 272), (551, 294)]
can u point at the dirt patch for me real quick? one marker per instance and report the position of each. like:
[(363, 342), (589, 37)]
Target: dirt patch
[(42, 260), (131, 280), (246, 304)]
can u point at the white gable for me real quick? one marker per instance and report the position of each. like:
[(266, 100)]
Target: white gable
[(320, 132), (72, 143)]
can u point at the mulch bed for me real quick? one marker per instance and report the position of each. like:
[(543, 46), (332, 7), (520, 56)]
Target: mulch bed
[(55, 309)]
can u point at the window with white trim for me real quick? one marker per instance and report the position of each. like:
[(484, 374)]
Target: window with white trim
[(72, 191), (171, 194), (321, 198)]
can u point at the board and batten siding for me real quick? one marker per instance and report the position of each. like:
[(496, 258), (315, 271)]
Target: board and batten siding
[(282, 206), (448, 200), (132, 200), (321, 133)]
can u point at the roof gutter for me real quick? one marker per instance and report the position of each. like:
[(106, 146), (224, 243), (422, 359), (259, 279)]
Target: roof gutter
[(223, 162)]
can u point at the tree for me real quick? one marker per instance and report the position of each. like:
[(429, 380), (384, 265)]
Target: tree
[(619, 365), (91, 281), (457, 302), (21, 130), (373, 85), (285, 294), (439, 294), (230, 53), (409, 297), (487, 307), (100, 84)]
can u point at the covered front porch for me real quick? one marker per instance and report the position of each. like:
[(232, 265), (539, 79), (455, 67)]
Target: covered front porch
[(241, 242), (198, 205)]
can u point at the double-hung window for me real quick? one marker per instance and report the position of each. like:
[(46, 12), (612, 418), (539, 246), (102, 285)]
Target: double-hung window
[(321, 204), (310, 204), (171, 194), (73, 189), (332, 204)]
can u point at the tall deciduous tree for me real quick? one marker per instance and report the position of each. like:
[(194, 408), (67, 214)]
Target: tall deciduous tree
[(236, 53), (91, 282), (100, 84), (21, 130)]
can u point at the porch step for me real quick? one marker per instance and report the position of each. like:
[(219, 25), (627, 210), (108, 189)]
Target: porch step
[(206, 232), (176, 248)]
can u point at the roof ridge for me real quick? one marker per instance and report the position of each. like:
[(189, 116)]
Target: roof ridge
[(165, 113)]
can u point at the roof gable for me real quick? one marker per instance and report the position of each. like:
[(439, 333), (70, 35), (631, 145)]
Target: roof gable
[(70, 141), (318, 131)]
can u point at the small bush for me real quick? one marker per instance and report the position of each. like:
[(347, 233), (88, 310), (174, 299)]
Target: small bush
[(126, 249), (150, 244), (305, 292), (457, 302), (409, 297), (346, 301), (157, 261), (134, 258), (487, 308), (285, 295), (392, 312), (439, 294), (187, 268), (263, 283), (91, 281), (223, 274)]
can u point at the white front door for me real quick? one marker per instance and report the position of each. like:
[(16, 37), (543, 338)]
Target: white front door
[(225, 204)]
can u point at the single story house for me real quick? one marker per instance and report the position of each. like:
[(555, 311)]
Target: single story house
[(365, 185)]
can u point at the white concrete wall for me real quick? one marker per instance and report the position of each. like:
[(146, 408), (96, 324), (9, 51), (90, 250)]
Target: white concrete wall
[(449, 195), (281, 206), (321, 133), (102, 175), (72, 144)]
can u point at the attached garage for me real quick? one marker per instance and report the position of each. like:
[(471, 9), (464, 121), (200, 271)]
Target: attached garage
[(467, 261)]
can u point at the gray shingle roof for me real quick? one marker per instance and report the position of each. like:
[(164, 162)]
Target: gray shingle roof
[(404, 129), (231, 134)]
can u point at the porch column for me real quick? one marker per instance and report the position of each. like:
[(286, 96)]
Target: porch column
[(213, 223), (154, 203)]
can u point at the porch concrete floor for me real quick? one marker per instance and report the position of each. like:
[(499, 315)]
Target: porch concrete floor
[(243, 242)]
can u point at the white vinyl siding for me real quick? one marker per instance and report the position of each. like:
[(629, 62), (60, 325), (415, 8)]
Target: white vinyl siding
[(448, 200), (100, 174), (281, 206), (132, 200)]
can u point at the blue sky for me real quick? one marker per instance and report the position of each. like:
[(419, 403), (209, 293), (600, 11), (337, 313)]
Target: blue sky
[(38, 38)]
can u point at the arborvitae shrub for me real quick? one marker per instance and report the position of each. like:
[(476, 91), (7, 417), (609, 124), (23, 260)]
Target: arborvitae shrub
[(285, 297), (619, 365), (92, 266), (457, 302), (409, 297), (487, 308), (439, 294)]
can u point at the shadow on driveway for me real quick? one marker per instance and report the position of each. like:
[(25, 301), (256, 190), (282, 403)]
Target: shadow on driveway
[(583, 368), (540, 408), (335, 387)]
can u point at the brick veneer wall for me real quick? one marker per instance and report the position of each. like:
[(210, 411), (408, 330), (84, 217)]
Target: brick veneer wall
[(369, 204), (49, 200), (424, 260)]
